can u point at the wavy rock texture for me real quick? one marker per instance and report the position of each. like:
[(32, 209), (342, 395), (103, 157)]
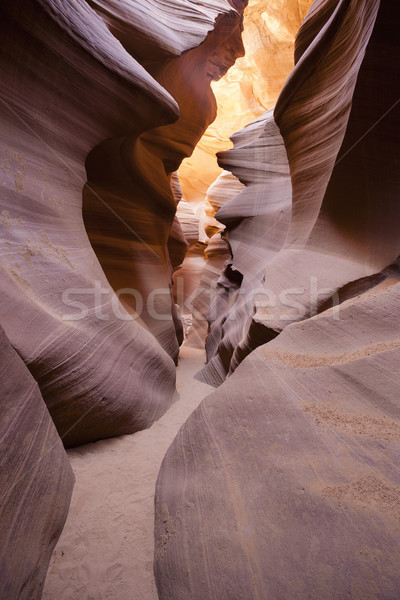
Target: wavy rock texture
[(152, 30), (45, 249), (249, 88), (211, 257), (36, 480), (242, 95), (285, 482), (257, 221), (185, 278), (133, 175), (206, 264), (337, 122), (70, 88)]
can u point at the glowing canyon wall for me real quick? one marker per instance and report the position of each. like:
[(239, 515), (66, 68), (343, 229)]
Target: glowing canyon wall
[(336, 198), (100, 102), (251, 86), (285, 482)]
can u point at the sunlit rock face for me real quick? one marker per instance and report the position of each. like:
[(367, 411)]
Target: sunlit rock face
[(93, 86), (251, 86), (207, 261), (285, 482), (133, 175), (35, 480)]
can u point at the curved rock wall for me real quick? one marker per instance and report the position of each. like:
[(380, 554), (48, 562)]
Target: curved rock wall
[(257, 222), (133, 176), (285, 483), (106, 98), (210, 256), (250, 87), (100, 99), (71, 87), (36, 480), (58, 309), (338, 132)]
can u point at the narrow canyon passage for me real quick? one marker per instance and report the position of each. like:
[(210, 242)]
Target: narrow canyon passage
[(226, 174), (106, 548)]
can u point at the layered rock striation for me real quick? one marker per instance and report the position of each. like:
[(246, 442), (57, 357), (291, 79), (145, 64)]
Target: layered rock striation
[(100, 102), (88, 86), (257, 222), (58, 309), (133, 175), (285, 482), (36, 480), (337, 123), (251, 86)]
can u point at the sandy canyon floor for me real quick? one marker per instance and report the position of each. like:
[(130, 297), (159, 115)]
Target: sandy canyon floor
[(105, 551)]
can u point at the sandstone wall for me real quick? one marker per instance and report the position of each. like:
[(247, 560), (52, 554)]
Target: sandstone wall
[(87, 86), (36, 480), (284, 483), (337, 123), (250, 87)]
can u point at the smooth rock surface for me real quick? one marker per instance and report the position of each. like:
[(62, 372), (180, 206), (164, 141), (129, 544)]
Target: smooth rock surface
[(133, 175), (285, 482), (74, 96), (107, 545), (57, 307), (36, 481), (257, 221), (251, 86), (339, 117)]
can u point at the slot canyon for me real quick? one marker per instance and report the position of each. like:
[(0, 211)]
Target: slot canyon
[(200, 285)]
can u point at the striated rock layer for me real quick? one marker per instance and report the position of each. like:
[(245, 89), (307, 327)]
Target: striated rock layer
[(285, 482), (252, 84), (257, 222), (81, 84), (57, 307), (338, 123), (249, 88), (133, 175), (36, 481), (100, 102)]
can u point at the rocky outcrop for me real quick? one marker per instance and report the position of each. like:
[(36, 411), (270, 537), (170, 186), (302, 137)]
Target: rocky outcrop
[(36, 481), (88, 84)]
